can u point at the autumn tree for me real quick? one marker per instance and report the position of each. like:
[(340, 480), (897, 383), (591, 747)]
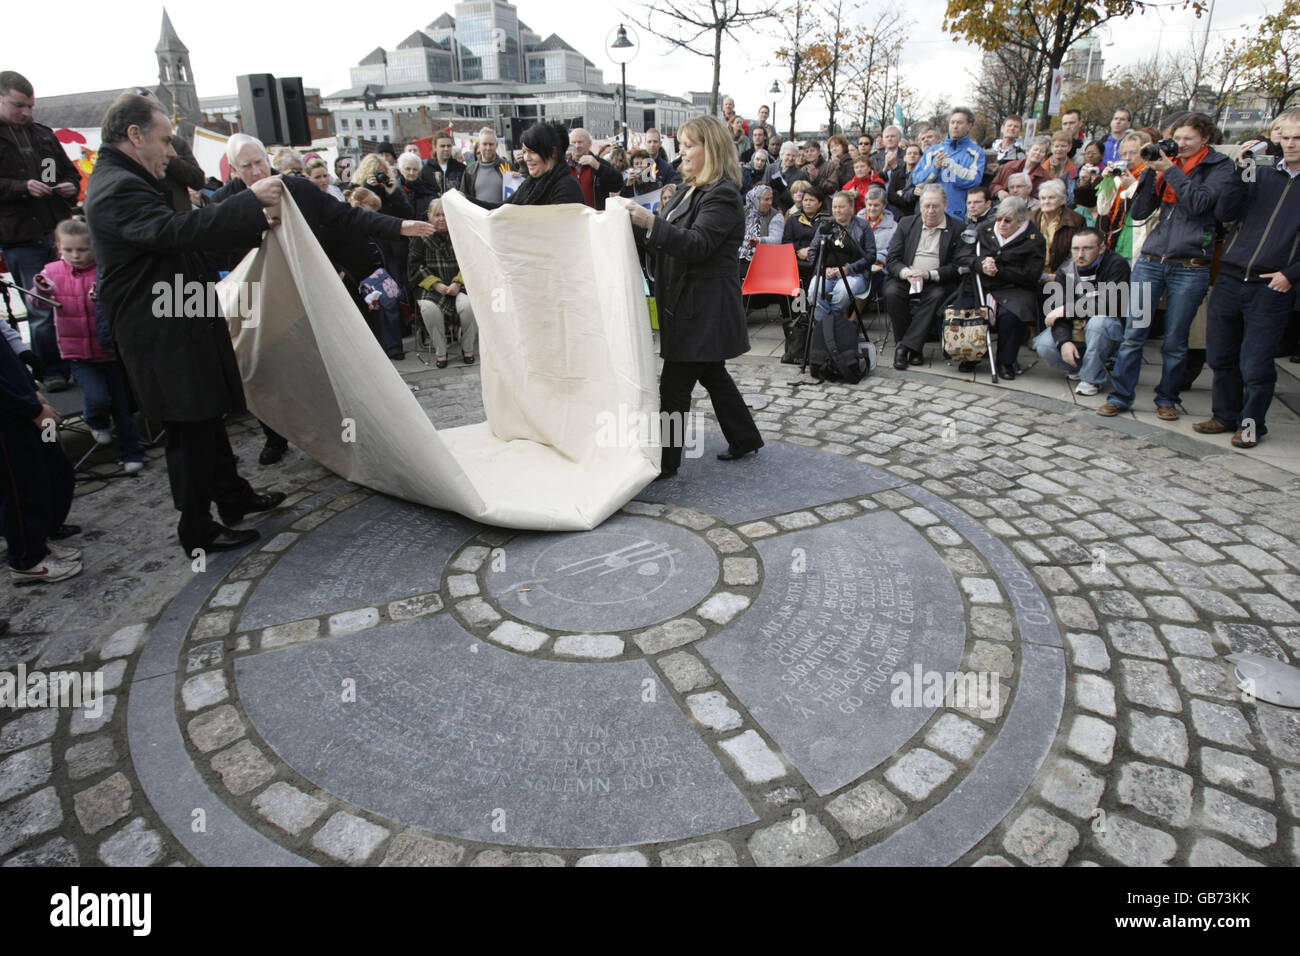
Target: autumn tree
[(880, 46), (804, 55), (1008, 84), (1271, 60), (689, 24), (1042, 28)]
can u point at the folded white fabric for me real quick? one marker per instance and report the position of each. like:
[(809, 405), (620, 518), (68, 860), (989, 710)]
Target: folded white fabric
[(564, 339)]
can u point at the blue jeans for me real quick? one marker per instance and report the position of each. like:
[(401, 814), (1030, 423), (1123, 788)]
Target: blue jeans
[(1246, 322), (1184, 288), (1101, 336), (103, 386), (840, 297), (24, 263)]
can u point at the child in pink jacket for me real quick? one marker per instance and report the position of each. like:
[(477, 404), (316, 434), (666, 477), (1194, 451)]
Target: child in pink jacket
[(70, 280)]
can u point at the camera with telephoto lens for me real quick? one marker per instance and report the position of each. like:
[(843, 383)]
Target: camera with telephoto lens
[(1153, 150)]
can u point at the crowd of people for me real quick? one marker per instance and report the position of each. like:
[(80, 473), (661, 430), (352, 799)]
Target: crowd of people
[(1070, 244)]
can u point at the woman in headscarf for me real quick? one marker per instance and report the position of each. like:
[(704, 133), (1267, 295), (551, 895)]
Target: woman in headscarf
[(763, 224)]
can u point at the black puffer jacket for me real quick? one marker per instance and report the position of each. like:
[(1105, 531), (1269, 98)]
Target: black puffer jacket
[(1186, 229)]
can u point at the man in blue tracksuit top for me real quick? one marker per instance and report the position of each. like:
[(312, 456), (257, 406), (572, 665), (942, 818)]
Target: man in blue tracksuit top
[(1256, 289), (957, 163)]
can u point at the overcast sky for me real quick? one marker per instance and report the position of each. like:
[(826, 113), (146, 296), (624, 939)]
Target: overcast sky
[(94, 45)]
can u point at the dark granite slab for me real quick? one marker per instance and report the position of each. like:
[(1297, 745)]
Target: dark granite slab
[(630, 572), (459, 737), (814, 657), (780, 478), (379, 550)]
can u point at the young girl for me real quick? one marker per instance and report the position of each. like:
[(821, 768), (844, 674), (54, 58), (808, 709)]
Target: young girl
[(70, 280)]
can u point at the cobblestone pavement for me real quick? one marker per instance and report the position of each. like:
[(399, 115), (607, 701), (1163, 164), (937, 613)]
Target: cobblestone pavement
[(1103, 571)]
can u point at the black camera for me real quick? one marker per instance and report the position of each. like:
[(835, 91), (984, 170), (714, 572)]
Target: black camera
[(1153, 150), (383, 180)]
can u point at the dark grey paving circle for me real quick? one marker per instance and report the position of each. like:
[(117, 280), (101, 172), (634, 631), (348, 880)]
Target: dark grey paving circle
[(455, 735), (379, 550), (843, 608), (780, 478), (630, 572)]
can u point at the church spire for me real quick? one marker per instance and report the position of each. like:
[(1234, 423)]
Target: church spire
[(169, 42)]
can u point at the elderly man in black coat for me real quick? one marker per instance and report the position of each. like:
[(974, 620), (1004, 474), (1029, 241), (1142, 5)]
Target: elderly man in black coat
[(926, 256), (182, 367), (334, 224)]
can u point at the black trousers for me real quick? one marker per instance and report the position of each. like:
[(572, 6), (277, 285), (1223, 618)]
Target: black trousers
[(913, 316), (675, 387), (1011, 335), (35, 491), (201, 469), (273, 437)]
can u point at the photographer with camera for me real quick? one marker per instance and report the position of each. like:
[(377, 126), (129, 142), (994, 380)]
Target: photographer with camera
[(1255, 292), (1184, 179), (848, 253)]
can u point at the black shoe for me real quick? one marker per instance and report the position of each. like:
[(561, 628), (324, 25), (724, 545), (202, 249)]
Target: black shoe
[(225, 539), (734, 454), (901, 358), (271, 453), (469, 359), (915, 358), (1007, 372), (64, 531), (666, 474), (967, 367), (256, 503)]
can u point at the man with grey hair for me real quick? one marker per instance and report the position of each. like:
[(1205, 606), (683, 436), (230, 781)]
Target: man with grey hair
[(597, 177), (182, 368), (484, 179), (925, 256), (890, 155), (335, 225)]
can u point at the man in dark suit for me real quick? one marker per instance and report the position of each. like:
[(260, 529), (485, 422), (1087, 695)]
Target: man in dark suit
[(182, 370), (922, 268)]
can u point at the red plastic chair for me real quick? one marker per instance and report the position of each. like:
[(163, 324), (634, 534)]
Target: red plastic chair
[(773, 271)]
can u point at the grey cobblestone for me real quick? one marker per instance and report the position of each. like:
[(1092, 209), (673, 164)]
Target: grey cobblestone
[(28, 729), (1135, 844), (1204, 678), (1072, 787), (288, 807), (1095, 693), (89, 757), (1093, 738), (1161, 792), (1281, 730), (413, 849), (349, 838), (1221, 724), (1040, 839), (919, 772), (1162, 738), (133, 845), (1208, 851), (792, 843), (1088, 651), (25, 771), (103, 804), (1147, 684), (1237, 771), (1135, 638), (1235, 818), (866, 808), (242, 768)]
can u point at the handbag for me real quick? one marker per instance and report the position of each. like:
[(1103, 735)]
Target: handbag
[(966, 331)]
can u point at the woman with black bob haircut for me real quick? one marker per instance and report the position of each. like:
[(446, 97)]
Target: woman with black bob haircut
[(694, 245), (549, 181)]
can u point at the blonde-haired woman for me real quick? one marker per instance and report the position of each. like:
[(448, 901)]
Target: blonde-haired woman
[(694, 246), (377, 175)]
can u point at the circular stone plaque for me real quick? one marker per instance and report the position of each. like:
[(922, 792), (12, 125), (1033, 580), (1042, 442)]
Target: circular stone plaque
[(630, 573)]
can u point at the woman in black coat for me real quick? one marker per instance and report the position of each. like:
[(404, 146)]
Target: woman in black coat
[(901, 193), (1010, 255), (800, 229), (694, 243), (549, 181)]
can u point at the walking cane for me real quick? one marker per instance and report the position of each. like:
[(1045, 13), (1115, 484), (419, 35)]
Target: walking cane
[(990, 338)]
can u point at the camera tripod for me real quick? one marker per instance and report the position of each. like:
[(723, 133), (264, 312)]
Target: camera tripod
[(823, 289)]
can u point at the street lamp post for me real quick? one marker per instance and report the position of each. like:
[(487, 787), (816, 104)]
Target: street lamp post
[(775, 91), (622, 51)]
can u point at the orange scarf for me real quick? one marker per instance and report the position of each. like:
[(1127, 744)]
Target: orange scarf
[(1164, 190)]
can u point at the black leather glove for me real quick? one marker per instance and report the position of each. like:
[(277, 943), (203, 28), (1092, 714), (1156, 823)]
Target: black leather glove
[(33, 362)]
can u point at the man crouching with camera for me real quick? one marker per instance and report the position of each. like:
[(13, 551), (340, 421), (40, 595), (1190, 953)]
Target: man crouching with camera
[(1183, 179)]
